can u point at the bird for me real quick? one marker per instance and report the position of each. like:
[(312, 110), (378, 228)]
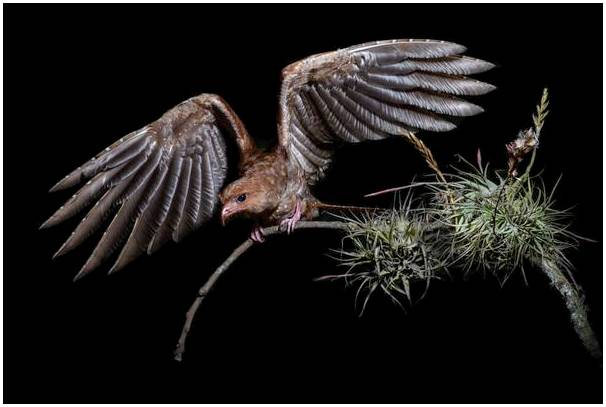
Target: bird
[(169, 178)]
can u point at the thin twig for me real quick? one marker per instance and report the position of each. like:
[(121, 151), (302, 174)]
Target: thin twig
[(239, 251)]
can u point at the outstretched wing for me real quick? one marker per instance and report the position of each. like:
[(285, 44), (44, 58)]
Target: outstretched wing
[(161, 181), (370, 92)]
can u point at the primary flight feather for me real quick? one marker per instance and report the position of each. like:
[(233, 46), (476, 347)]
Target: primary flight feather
[(167, 179)]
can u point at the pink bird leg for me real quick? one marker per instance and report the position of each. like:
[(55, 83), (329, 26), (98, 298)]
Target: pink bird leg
[(289, 223)]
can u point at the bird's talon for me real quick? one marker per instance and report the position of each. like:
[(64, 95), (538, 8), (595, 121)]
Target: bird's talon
[(256, 235)]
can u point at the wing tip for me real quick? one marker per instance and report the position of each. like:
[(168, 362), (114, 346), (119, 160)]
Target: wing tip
[(124, 258), (116, 267), (477, 88), (487, 66), (439, 48), (479, 66), (57, 187), (58, 253), (471, 110), (50, 222), (456, 48), (83, 272), (449, 126), (67, 181), (180, 232), (88, 267), (154, 245), (66, 247), (477, 110), (488, 87)]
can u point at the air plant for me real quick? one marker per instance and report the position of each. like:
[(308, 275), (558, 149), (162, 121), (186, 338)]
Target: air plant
[(499, 225), (472, 219), (388, 251)]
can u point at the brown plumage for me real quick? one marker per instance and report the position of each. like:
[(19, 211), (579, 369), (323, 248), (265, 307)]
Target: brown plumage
[(167, 179)]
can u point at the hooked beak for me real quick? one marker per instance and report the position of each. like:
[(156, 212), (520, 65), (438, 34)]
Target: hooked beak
[(227, 212)]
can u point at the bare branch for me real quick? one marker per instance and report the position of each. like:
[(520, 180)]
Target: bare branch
[(239, 251), (573, 298)]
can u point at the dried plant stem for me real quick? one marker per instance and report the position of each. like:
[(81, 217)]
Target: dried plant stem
[(239, 251), (574, 301), (422, 148), (426, 153)]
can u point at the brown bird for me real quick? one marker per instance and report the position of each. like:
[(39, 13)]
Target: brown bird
[(165, 179)]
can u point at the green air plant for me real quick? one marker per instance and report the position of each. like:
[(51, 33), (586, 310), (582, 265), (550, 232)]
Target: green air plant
[(389, 251), (471, 219), (499, 225)]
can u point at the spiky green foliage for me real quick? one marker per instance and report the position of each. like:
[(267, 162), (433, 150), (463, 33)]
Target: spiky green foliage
[(500, 224), (473, 219), (485, 222), (389, 251), (497, 225)]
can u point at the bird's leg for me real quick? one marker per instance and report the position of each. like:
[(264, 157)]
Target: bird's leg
[(289, 223), (256, 235)]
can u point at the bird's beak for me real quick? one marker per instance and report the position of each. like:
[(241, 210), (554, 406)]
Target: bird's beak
[(226, 213)]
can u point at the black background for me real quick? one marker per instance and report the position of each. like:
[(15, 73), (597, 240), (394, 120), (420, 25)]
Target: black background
[(79, 77)]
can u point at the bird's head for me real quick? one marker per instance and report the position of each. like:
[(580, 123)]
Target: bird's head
[(244, 197)]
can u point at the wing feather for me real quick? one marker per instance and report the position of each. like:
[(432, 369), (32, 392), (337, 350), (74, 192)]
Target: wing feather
[(406, 115), (454, 65), (94, 188), (311, 120), (116, 154), (422, 99), (152, 217), (101, 210), (350, 120), (191, 205), (373, 91), (208, 191), (360, 109), (160, 182), (451, 85), (169, 226), (331, 116), (140, 187)]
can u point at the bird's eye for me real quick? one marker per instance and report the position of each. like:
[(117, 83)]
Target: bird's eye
[(241, 198)]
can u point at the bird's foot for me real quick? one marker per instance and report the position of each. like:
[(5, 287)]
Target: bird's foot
[(256, 235), (288, 224)]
